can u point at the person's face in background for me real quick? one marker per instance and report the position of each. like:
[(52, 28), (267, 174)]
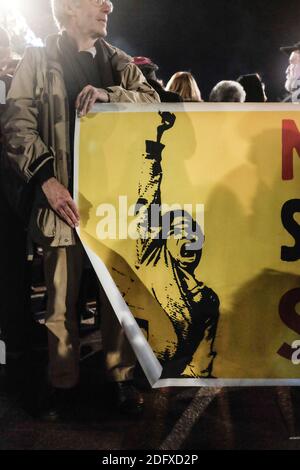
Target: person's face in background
[(264, 91), (263, 88), (293, 72)]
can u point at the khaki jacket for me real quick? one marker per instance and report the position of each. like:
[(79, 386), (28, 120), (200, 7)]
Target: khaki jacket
[(36, 126)]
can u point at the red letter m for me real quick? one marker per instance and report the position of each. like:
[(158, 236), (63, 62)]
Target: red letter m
[(290, 141)]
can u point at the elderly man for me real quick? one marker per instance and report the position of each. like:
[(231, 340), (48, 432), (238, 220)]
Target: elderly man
[(76, 69), (292, 84)]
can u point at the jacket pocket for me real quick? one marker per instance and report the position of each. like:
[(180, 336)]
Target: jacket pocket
[(46, 222), (43, 226)]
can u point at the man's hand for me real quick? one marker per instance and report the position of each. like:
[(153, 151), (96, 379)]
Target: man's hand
[(61, 202), (88, 97)]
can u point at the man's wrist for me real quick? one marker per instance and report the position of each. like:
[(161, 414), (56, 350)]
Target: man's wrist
[(48, 182)]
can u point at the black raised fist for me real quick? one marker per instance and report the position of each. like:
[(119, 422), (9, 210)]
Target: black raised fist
[(168, 121)]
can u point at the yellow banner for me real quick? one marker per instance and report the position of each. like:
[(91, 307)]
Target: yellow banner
[(193, 213)]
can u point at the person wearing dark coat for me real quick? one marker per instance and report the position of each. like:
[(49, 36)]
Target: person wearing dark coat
[(149, 69), (254, 88)]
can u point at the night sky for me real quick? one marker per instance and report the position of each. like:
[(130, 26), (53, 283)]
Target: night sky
[(214, 39)]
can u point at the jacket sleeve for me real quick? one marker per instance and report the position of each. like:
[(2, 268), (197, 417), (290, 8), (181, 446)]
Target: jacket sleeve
[(24, 147), (133, 89)]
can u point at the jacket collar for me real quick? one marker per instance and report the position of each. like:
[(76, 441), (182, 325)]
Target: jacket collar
[(119, 59)]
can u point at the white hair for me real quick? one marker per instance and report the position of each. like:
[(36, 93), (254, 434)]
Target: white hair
[(59, 11), (228, 91)]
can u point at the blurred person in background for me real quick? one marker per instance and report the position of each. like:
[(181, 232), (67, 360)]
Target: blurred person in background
[(292, 82), (227, 91), (186, 86), (7, 63), (21, 334), (149, 69), (254, 88)]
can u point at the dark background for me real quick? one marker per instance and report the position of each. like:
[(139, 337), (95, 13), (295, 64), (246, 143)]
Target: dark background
[(214, 39)]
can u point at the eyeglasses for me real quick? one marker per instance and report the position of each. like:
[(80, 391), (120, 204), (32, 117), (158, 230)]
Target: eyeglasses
[(100, 3)]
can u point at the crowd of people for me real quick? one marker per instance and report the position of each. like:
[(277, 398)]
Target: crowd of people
[(75, 69), (183, 87), (248, 88)]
